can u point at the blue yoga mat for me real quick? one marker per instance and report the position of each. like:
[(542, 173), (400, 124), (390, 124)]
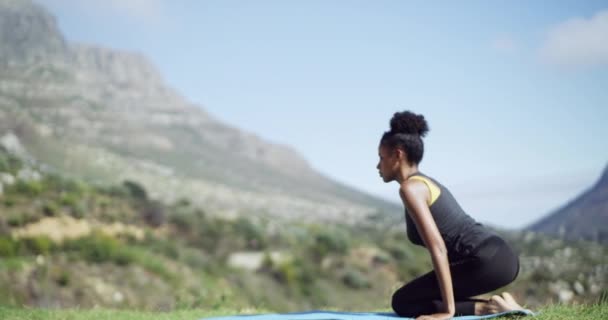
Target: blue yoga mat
[(331, 315)]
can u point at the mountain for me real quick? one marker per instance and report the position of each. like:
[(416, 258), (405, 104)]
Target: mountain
[(585, 217), (106, 116)]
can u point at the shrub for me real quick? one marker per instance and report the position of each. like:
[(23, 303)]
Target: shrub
[(37, 245), (99, 248), (166, 248), (15, 220), (20, 219), (329, 241), (8, 162), (399, 252), (78, 210), (63, 279), (296, 274), (104, 203), (286, 273), (252, 234), (136, 190), (184, 221), (116, 191), (50, 209), (156, 266), (123, 256), (153, 213), (381, 258), (30, 188), (4, 163), (8, 247), (9, 201), (69, 199), (74, 187), (603, 298), (183, 202), (355, 279), (194, 258)]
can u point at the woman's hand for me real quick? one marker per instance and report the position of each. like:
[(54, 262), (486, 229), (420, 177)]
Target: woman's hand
[(436, 316)]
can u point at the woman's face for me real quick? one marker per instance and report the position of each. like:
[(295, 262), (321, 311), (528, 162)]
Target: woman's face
[(389, 162)]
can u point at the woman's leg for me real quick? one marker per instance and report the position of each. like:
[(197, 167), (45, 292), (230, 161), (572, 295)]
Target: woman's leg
[(422, 296), (494, 266)]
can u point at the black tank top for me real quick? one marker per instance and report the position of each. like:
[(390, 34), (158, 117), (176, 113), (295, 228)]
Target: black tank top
[(461, 233)]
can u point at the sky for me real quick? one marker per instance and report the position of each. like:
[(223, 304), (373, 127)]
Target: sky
[(515, 92)]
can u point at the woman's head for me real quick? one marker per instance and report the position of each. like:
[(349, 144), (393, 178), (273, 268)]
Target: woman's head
[(402, 144)]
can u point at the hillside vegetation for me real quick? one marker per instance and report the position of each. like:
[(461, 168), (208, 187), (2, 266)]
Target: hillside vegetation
[(65, 243)]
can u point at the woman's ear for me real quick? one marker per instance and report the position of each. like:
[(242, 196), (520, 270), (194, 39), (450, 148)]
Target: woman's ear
[(401, 154)]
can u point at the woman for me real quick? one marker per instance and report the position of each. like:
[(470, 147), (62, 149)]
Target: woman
[(468, 259)]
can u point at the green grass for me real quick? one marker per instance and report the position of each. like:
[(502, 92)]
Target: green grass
[(107, 314), (555, 312)]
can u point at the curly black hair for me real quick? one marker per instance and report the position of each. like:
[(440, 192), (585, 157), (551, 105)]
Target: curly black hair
[(407, 130)]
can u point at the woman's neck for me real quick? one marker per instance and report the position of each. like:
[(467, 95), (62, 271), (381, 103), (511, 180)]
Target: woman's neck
[(405, 172)]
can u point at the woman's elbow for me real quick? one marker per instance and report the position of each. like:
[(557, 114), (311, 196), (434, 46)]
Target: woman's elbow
[(438, 250)]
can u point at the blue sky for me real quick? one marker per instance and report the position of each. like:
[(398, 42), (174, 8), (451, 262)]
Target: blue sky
[(515, 92)]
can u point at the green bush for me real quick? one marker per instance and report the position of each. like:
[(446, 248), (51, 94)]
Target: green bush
[(252, 234), (210, 234), (156, 266), (69, 199), (65, 185), (286, 273), (153, 213), (8, 247), (136, 190), (184, 221), (78, 210), (16, 220), (9, 201), (329, 241), (183, 202), (603, 299), (37, 245), (296, 274), (63, 279), (8, 162), (399, 252), (123, 256), (4, 163), (104, 203), (116, 191), (355, 279), (30, 188), (194, 258), (381, 258), (50, 209), (75, 187), (167, 248), (98, 248)]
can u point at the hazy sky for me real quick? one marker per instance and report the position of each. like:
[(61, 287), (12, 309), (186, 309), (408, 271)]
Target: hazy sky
[(515, 92)]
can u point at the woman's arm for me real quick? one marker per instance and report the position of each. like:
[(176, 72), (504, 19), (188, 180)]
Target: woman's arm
[(415, 195)]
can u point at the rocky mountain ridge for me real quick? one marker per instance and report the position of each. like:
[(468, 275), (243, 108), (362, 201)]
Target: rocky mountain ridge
[(585, 217), (106, 115)]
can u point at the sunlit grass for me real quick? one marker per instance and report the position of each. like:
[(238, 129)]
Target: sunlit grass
[(554, 312)]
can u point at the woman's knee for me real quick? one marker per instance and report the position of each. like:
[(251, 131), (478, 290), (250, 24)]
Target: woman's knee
[(405, 305)]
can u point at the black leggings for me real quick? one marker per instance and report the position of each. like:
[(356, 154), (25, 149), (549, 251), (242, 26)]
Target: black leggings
[(494, 265)]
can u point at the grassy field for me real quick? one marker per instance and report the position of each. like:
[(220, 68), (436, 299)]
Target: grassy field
[(554, 312)]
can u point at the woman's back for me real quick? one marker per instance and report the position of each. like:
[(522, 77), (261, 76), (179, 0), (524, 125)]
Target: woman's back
[(461, 233)]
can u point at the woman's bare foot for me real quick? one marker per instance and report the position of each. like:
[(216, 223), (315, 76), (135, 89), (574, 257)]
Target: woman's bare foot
[(511, 301), (497, 304), (484, 308)]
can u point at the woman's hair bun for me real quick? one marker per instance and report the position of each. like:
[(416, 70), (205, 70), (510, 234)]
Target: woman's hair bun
[(409, 123)]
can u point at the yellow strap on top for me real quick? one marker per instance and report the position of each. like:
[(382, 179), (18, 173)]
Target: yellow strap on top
[(433, 189)]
